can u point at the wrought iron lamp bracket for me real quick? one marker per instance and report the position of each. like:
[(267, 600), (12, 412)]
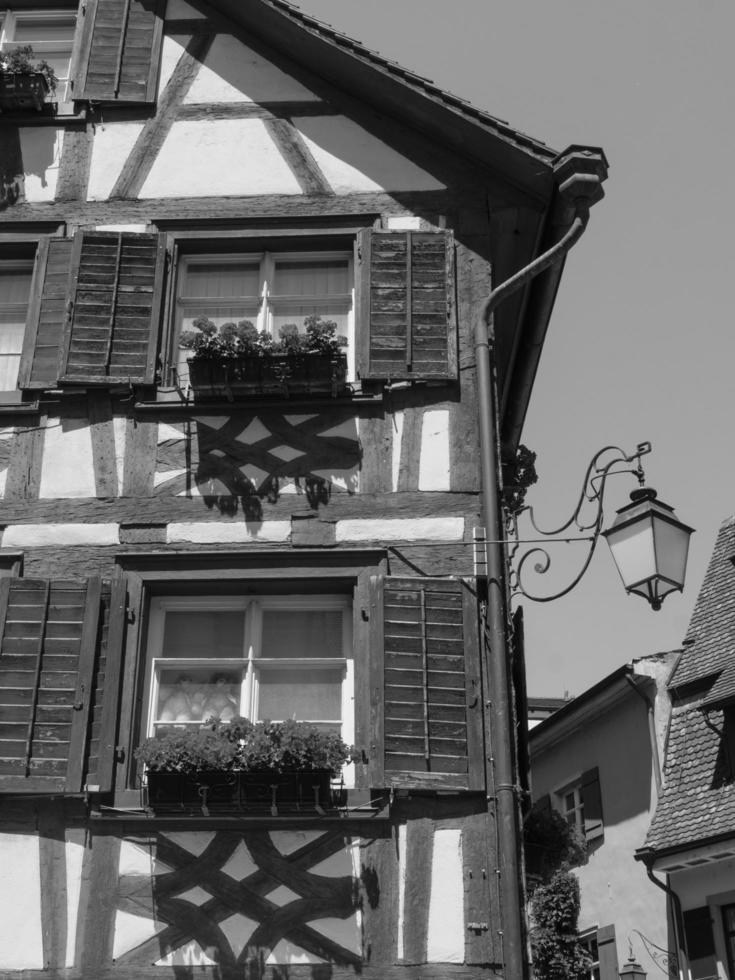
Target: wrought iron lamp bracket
[(583, 526)]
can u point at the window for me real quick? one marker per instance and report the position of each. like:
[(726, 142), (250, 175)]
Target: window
[(15, 290), (573, 809), (268, 288), (728, 928), (588, 941), (265, 658), (580, 803), (51, 35)]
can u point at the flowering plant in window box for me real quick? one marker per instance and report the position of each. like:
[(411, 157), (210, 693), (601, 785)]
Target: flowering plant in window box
[(237, 360), (243, 766), (24, 83)]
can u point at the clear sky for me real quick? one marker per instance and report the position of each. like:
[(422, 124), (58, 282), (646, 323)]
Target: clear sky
[(641, 344)]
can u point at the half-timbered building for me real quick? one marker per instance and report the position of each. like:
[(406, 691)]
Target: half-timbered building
[(302, 546)]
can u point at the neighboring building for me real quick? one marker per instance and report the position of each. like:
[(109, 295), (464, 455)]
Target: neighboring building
[(300, 545), (538, 709), (595, 761), (690, 846)]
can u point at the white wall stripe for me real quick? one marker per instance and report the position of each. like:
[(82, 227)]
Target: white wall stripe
[(397, 437), (400, 947), (41, 535), (402, 529), (445, 932), (434, 462), (231, 532)]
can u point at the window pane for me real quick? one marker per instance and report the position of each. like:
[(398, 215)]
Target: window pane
[(221, 279), (15, 284), (204, 633), (188, 695), (302, 633), (288, 313), (306, 695), (315, 278), (32, 30)]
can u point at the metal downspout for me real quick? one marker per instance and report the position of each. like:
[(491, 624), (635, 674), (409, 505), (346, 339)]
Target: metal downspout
[(583, 191), (651, 733), (677, 917)]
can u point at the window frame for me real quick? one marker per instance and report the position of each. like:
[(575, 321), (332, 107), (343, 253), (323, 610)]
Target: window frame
[(185, 238), (150, 574), (260, 308), (252, 660), (63, 98), (24, 265)]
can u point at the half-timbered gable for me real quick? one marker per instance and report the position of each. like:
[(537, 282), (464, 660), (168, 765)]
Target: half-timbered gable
[(282, 534)]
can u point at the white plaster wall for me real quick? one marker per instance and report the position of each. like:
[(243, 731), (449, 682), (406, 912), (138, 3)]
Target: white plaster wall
[(74, 861), (434, 461), (216, 158), (67, 467), (41, 150), (402, 529), (354, 161), (445, 932), (171, 50), (110, 149), (21, 939), (233, 72), (614, 886), (696, 885)]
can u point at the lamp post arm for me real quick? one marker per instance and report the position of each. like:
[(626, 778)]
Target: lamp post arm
[(593, 493)]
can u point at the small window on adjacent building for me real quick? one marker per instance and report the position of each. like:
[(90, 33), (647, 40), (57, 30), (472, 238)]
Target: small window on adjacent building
[(265, 658), (51, 35), (588, 940), (15, 291), (270, 289), (580, 803)]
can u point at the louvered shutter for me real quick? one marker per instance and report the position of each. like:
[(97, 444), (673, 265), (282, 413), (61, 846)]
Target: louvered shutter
[(114, 312), (48, 647), (426, 702), (40, 363), (592, 805), (106, 700), (406, 306), (122, 45)]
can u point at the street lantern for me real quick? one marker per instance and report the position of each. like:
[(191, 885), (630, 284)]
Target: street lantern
[(649, 546), (632, 971)]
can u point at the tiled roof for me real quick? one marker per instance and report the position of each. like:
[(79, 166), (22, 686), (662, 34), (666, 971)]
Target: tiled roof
[(711, 635), (417, 82), (696, 802), (698, 799)]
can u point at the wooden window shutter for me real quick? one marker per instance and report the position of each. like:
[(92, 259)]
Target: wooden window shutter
[(48, 650), (592, 805), (406, 310), (426, 702), (106, 704), (121, 42), (114, 308), (607, 953), (40, 362)]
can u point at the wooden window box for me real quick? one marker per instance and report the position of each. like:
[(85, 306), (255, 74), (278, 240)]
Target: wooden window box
[(21, 92), (279, 374), (247, 793)]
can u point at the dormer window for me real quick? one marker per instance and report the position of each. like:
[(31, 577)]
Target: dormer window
[(51, 35)]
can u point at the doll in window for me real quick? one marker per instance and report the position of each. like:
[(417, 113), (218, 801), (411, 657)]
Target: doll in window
[(221, 704), (185, 703)]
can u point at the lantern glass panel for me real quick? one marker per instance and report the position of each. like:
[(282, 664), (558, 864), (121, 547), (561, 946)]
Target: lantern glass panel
[(633, 551), (672, 548)]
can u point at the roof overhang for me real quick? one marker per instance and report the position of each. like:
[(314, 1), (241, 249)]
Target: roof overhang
[(687, 857)]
